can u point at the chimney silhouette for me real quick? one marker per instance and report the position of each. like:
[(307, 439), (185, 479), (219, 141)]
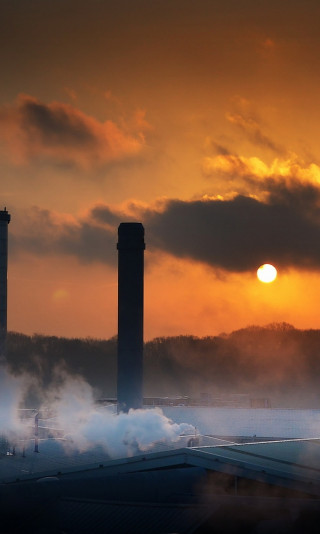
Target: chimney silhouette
[(130, 316), (4, 221)]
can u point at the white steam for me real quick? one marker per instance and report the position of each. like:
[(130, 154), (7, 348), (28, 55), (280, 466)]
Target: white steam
[(84, 424), (11, 394), (121, 435)]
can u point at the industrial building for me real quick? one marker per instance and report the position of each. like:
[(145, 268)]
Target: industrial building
[(256, 487), (244, 469)]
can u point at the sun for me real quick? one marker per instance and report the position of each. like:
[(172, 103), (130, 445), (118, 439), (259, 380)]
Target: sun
[(267, 273)]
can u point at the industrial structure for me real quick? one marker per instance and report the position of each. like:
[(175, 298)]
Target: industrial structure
[(130, 316), (222, 480), (4, 221), (229, 488)]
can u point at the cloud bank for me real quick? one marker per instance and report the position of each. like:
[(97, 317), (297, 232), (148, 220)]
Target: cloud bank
[(277, 222), (234, 235)]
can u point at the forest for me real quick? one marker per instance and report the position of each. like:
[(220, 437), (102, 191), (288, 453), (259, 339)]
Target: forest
[(276, 361)]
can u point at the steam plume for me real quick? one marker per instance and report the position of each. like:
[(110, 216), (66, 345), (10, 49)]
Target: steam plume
[(121, 435), (86, 426)]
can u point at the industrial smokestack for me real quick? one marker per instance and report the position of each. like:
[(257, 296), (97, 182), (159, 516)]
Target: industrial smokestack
[(130, 315), (4, 221)]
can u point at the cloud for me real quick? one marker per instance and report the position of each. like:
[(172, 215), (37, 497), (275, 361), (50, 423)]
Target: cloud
[(235, 166), (278, 221), (61, 133), (257, 173), (240, 234), (47, 233), (103, 214), (234, 234), (253, 131), (249, 123)]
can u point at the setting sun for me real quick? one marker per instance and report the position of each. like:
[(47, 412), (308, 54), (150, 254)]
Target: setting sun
[(267, 273), (221, 185)]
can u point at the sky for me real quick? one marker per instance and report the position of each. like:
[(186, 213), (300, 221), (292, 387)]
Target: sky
[(199, 119)]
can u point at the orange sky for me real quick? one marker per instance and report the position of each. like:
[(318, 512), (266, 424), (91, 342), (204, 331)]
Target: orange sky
[(199, 119)]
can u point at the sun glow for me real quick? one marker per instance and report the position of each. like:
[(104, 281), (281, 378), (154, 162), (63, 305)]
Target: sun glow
[(267, 273)]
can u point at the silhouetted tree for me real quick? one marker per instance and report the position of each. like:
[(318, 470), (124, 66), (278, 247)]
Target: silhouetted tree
[(276, 361)]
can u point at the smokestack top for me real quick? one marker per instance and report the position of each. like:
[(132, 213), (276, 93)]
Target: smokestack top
[(130, 236), (4, 215)]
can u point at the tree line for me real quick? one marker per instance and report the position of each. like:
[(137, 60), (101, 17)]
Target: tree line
[(276, 361)]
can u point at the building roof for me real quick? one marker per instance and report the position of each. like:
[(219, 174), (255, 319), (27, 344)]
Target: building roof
[(158, 492), (59, 455), (292, 464)]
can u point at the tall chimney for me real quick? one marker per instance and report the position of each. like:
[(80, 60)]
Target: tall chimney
[(4, 221), (130, 316)]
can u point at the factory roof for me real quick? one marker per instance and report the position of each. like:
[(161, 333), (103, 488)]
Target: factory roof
[(152, 492), (292, 464), (59, 455)]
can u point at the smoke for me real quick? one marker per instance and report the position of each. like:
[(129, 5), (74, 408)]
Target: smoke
[(127, 434), (88, 426), (12, 391), (84, 424)]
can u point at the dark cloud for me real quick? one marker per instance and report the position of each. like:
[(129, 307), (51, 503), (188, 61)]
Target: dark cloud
[(56, 125), (239, 234), (44, 234), (103, 214), (302, 197), (60, 133), (89, 243), (236, 235)]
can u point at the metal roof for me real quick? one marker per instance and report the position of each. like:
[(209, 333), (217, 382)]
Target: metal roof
[(292, 464), (84, 506), (300, 453), (54, 456), (59, 455)]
